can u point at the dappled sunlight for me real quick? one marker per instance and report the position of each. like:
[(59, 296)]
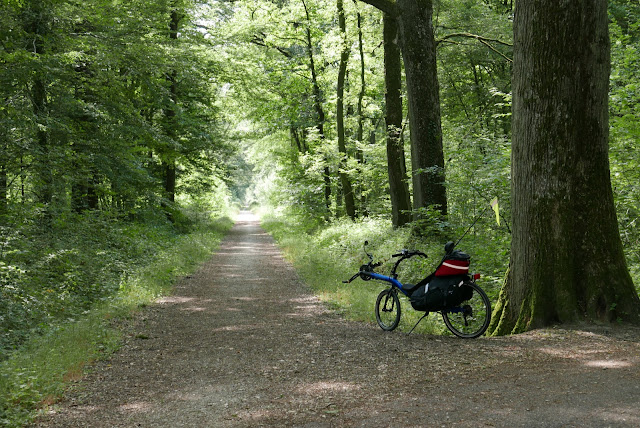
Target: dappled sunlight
[(227, 252), (195, 309), (192, 303), (599, 352), (320, 388), (307, 306), (231, 275), (136, 406), (236, 327), (305, 300), (306, 398), (596, 358), (608, 364), (176, 299), (622, 415), (307, 311)]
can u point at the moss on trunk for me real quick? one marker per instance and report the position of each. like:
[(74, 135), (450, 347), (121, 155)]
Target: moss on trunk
[(567, 262)]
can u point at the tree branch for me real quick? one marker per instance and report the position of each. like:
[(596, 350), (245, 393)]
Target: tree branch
[(258, 39), (484, 40), (386, 6)]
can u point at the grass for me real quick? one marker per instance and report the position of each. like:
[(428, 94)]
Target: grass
[(325, 257), (37, 374)]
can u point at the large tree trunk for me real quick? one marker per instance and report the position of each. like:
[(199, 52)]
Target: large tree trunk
[(398, 187), (349, 201), (567, 262), (419, 54)]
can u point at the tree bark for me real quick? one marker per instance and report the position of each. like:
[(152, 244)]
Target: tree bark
[(169, 161), (3, 177), (419, 54), (567, 262), (4, 165), (360, 127), (317, 103), (418, 48), (398, 186), (349, 201)]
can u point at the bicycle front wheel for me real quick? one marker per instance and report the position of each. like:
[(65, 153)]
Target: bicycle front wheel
[(388, 309), (471, 318)]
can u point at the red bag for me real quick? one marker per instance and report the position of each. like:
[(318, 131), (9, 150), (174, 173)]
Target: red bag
[(453, 267), (456, 263)]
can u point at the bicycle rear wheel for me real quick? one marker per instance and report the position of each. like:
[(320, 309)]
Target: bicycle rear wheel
[(471, 318), (388, 309)]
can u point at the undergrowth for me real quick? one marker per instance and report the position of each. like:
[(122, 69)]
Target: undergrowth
[(93, 278), (324, 257)]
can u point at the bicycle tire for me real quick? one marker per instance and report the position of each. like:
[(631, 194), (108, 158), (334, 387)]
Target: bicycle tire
[(471, 318), (388, 309)]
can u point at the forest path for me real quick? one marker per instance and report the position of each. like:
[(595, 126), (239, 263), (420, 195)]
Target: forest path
[(243, 343)]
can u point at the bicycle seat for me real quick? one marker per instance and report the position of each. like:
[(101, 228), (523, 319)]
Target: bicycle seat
[(410, 288)]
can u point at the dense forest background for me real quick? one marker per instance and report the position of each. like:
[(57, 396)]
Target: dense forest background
[(127, 125)]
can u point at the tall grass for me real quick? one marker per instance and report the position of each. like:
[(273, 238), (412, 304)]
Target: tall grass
[(38, 373), (327, 256)]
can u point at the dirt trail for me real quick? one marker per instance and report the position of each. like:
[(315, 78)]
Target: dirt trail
[(243, 343)]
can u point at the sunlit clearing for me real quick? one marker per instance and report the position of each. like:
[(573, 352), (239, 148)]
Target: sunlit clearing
[(246, 216)]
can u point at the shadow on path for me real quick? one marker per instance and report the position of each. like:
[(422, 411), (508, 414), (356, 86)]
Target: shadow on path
[(243, 343)]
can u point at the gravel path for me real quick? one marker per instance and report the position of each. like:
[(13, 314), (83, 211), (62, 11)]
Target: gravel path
[(243, 343)]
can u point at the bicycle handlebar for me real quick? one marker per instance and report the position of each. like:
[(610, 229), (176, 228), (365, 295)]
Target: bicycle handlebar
[(409, 253), (364, 269), (351, 279)]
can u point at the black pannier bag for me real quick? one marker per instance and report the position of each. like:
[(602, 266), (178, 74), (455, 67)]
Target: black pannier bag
[(436, 293)]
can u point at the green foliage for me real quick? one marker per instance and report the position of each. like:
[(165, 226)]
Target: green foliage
[(53, 276), (86, 99), (97, 101), (624, 107), (324, 257), (124, 267), (272, 90), (474, 52)]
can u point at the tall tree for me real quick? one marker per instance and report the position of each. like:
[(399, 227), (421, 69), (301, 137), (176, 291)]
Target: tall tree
[(349, 200), (398, 186), (419, 54), (169, 161), (567, 261), (359, 114), (36, 22), (3, 171), (317, 103)]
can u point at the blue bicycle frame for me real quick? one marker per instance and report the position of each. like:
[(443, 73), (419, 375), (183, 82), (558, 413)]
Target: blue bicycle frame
[(388, 279), (464, 326)]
